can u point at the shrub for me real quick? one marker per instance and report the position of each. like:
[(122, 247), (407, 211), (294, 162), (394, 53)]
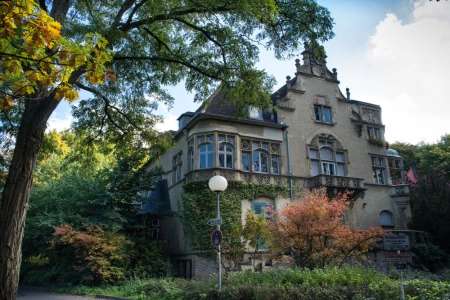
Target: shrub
[(90, 256)]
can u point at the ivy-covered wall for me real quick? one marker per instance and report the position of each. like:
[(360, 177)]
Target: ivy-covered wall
[(199, 205)]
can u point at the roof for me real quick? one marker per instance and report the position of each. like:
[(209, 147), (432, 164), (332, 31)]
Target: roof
[(159, 201)]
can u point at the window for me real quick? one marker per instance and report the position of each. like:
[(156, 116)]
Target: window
[(386, 220), (395, 170), (323, 114), (177, 165), (255, 113), (226, 151), (326, 160), (265, 210), (183, 268), (191, 159), (260, 156), (378, 170), (373, 132), (206, 151)]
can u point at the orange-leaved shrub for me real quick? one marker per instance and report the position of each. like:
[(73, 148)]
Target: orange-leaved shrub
[(314, 233), (88, 256)]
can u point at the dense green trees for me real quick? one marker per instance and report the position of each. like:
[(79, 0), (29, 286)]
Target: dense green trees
[(138, 47), (430, 196), (81, 226)]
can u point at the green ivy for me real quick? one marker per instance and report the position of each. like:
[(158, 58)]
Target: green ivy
[(199, 205)]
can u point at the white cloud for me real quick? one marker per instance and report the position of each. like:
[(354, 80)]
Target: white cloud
[(170, 123), (59, 123), (409, 63)]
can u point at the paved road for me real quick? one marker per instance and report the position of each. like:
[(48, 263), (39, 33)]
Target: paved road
[(28, 293)]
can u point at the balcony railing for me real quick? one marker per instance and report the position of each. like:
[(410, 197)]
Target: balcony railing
[(336, 181), (236, 175)]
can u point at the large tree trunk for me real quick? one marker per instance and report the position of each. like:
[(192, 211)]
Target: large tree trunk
[(14, 203)]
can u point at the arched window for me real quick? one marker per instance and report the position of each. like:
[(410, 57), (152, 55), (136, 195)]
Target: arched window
[(226, 156), (226, 151), (260, 156), (386, 220), (206, 153), (260, 162), (326, 158)]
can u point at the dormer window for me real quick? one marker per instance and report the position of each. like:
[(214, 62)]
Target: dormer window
[(255, 113)]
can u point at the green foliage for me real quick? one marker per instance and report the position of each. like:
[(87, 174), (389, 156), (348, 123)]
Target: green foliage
[(430, 206), (89, 256), (378, 142), (408, 152), (322, 284), (199, 205)]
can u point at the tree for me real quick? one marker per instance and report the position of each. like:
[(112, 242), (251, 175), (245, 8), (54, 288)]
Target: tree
[(313, 231), (255, 232), (430, 206), (211, 45)]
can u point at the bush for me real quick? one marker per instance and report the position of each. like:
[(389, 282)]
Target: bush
[(91, 256)]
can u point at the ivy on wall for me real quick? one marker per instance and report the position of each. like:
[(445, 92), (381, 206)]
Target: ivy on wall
[(199, 205)]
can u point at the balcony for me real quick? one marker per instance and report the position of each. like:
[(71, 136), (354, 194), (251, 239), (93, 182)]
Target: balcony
[(338, 183), (237, 175)]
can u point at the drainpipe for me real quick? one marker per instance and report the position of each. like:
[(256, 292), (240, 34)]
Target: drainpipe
[(289, 165)]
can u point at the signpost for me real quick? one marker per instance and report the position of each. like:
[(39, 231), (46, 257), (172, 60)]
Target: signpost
[(398, 242)]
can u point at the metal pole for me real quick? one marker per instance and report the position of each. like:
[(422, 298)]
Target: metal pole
[(219, 274), (401, 283)]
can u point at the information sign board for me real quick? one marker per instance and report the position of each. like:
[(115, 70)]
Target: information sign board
[(402, 257), (396, 242)]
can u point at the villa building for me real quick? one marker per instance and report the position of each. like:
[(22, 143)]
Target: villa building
[(316, 137)]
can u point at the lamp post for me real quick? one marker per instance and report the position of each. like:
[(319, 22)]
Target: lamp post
[(218, 184)]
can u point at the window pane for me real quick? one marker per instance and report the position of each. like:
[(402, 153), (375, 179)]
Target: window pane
[(370, 131), (221, 138), (221, 160), (245, 162), (230, 140), (210, 160), (377, 133), (340, 170), (265, 146), (326, 154), (228, 148), (340, 157), (256, 162), (381, 162), (313, 154), (318, 113), (324, 168), (275, 168), (229, 158), (315, 168), (202, 161), (201, 140), (332, 170), (210, 138), (385, 218), (327, 114), (264, 162), (255, 145)]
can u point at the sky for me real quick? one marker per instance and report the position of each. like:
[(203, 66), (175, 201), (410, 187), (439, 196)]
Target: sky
[(394, 53)]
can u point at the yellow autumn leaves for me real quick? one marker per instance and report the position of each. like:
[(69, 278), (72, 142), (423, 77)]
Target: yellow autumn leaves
[(34, 55)]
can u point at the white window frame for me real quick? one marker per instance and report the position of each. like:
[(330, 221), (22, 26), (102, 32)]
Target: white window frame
[(323, 114)]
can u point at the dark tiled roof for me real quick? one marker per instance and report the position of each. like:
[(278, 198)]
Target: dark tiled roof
[(159, 201), (217, 105)]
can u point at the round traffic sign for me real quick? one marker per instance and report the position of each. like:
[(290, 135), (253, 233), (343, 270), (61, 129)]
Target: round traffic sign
[(216, 237)]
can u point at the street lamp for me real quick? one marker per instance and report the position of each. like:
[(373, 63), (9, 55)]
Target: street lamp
[(218, 184)]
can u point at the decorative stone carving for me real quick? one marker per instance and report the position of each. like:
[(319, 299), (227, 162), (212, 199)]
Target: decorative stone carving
[(371, 115)]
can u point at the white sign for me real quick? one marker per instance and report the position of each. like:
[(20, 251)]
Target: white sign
[(396, 242), (215, 222)]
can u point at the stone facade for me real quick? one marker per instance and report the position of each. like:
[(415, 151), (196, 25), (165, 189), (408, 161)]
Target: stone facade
[(317, 137)]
